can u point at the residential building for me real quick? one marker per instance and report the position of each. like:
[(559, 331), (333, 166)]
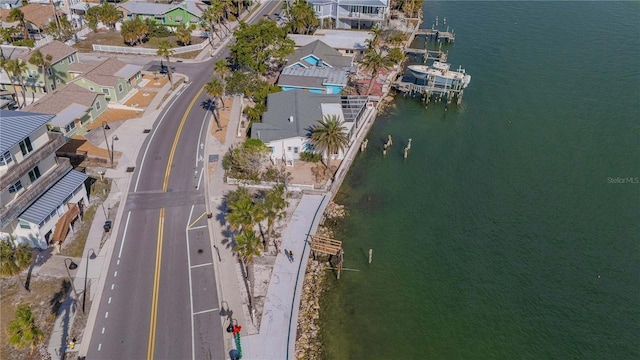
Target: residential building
[(41, 195), (316, 79), (112, 77), (36, 16), (73, 107), (348, 14), (318, 53), (347, 42), (57, 74), (188, 12), (287, 124)]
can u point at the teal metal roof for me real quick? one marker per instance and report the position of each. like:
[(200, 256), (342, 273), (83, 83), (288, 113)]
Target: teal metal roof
[(54, 197)]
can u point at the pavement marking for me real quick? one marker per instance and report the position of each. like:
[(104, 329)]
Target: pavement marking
[(115, 274), (200, 179), (205, 311), (99, 346), (198, 227), (124, 235), (118, 263), (165, 184), (102, 330), (186, 232), (156, 285), (106, 315), (112, 286), (144, 156), (201, 145), (109, 299), (196, 220), (195, 266)]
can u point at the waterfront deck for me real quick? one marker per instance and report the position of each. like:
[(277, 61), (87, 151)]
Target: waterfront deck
[(429, 92), (437, 35)]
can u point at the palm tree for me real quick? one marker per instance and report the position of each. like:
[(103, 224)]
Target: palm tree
[(183, 34), (375, 61), (247, 246), (215, 88), (373, 43), (221, 67), (23, 330), (245, 214), (44, 63), (274, 206), (302, 17), (17, 15), (165, 50), (55, 15), (14, 259), (17, 67), (330, 136)]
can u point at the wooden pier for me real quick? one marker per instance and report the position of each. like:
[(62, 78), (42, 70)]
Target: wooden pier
[(328, 246), (437, 55), (430, 93), (438, 35)]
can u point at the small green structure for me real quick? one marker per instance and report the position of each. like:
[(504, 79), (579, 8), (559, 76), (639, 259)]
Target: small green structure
[(112, 77), (188, 12)]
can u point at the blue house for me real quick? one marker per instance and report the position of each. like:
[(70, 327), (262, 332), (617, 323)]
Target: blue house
[(317, 53)]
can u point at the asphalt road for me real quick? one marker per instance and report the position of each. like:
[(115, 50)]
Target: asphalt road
[(163, 304), (160, 299)]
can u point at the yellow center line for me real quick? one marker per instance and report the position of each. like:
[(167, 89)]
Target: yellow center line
[(156, 283), (156, 276)]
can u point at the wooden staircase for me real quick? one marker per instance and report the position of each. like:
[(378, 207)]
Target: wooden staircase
[(62, 226)]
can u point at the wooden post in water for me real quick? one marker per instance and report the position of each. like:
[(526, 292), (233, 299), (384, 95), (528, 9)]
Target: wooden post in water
[(370, 255)]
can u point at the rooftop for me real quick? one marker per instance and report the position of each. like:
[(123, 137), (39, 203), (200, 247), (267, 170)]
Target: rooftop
[(109, 71), (313, 77), (322, 51), (59, 99), (57, 49), (37, 14), (17, 125), (337, 39), (146, 8)]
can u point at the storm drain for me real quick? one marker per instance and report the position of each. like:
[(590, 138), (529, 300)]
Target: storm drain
[(131, 168), (146, 131)]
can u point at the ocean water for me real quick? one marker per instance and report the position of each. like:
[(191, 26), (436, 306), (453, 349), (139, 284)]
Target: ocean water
[(512, 229)]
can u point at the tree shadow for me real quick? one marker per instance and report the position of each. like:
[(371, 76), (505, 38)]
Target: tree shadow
[(59, 297)]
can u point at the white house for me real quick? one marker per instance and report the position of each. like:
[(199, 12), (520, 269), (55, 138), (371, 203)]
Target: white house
[(348, 14), (41, 196), (287, 124)]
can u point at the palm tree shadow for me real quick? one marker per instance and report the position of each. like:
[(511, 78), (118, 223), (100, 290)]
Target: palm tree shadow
[(210, 105)]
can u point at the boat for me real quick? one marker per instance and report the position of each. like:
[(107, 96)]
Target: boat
[(440, 75)]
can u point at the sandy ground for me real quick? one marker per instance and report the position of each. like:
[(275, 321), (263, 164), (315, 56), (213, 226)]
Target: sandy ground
[(114, 115)]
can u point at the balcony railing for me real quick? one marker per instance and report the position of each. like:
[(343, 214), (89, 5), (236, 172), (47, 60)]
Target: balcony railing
[(26, 197), (16, 171)]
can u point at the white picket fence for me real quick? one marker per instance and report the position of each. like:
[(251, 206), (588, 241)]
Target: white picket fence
[(146, 51)]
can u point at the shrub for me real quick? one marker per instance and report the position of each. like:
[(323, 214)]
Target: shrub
[(25, 42), (310, 157)]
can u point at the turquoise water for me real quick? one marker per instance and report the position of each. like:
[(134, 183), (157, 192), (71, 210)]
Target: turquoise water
[(489, 239)]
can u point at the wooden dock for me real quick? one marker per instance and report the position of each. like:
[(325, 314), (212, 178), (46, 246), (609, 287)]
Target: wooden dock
[(437, 55), (429, 92), (437, 35)]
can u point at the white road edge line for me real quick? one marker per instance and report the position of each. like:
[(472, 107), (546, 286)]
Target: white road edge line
[(115, 274), (144, 156), (124, 235), (99, 346), (186, 232), (112, 286), (106, 315), (195, 266), (109, 299), (102, 330), (205, 311), (198, 227)]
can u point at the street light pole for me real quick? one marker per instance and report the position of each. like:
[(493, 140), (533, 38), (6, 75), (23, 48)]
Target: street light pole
[(106, 127), (91, 254), (113, 138), (71, 266)]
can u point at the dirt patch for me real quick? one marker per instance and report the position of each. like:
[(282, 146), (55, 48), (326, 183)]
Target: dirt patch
[(155, 81), (114, 115), (45, 295), (141, 99), (220, 135)]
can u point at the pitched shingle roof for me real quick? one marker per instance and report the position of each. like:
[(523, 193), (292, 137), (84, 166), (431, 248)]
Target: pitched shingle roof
[(107, 72), (303, 106), (17, 125), (145, 8), (57, 49), (59, 99), (37, 14), (320, 50)]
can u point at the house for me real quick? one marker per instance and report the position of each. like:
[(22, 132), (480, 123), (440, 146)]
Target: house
[(36, 16), (188, 12), (347, 42), (57, 74), (287, 124), (112, 77), (316, 79), (348, 14), (317, 53), (73, 107), (41, 195)]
